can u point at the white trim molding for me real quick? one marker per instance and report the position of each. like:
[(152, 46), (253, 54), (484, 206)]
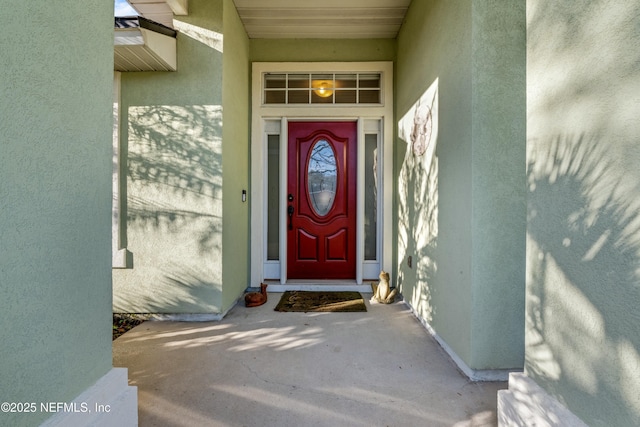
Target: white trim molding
[(111, 401), (265, 116), (120, 256)]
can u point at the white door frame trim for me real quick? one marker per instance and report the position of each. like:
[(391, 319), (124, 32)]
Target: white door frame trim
[(262, 114)]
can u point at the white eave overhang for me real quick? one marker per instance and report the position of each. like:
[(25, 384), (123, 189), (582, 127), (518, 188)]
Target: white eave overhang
[(161, 11), (144, 45)]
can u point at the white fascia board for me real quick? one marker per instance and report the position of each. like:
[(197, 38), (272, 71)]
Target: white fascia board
[(128, 37), (163, 46)]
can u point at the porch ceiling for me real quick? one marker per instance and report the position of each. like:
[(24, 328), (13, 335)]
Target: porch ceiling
[(350, 19)]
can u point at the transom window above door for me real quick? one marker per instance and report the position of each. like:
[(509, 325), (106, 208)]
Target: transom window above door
[(322, 88)]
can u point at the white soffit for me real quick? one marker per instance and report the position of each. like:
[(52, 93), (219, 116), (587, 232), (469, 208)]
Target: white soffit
[(161, 11), (137, 48), (327, 19)]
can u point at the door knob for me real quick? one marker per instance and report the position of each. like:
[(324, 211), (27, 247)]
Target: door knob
[(290, 212)]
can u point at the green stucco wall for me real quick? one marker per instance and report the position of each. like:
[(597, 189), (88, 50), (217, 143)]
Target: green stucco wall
[(187, 157), (235, 147), (434, 49), (461, 205), (55, 192), (583, 244), (498, 218), (328, 50)]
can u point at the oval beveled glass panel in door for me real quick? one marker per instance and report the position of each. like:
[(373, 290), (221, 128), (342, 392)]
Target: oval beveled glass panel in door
[(322, 177)]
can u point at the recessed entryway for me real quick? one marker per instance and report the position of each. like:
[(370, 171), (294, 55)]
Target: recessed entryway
[(321, 173)]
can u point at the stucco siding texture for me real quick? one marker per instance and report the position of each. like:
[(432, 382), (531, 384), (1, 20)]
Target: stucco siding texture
[(467, 277), (172, 138), (55, 162), (319, 50), (583, 231), (236, 100), (434, 49), (498, 182)]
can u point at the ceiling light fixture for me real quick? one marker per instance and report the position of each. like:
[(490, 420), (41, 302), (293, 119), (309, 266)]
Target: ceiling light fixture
[(323, 88)]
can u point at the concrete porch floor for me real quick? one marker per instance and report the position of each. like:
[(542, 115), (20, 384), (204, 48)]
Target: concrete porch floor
[(261, 368)]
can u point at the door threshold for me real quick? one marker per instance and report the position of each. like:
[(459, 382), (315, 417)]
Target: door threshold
[(318, 285)]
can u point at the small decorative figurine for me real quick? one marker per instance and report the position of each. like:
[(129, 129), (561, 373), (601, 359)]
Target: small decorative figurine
[(254, 299), (383, 293)]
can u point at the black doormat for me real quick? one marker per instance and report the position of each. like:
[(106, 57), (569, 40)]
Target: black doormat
[(306, 301)]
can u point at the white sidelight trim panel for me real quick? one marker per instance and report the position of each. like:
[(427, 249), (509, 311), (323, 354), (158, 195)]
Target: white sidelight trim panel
[(270, 268), (284, 162), (360, 204), (386, 216), (373, 126)]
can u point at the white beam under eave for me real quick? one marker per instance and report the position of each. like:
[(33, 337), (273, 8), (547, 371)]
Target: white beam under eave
[(161, 11), (179, 7)]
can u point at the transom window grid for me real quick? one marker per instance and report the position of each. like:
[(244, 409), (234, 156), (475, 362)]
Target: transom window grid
[(322, 88)]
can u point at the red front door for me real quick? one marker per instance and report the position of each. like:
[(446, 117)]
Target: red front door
[(321, 200)]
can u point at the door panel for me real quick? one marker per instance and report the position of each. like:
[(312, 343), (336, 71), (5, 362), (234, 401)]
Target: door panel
[(307, 246), (321, 200), (337, 246)]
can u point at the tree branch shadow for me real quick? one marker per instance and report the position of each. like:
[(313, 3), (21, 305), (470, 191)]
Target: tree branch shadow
[(174, 208), (584, 263)]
